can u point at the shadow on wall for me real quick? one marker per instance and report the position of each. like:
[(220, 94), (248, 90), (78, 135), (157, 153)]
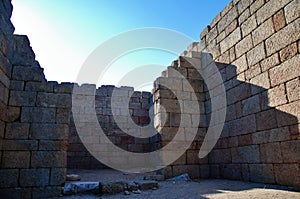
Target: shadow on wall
[(258, 143)]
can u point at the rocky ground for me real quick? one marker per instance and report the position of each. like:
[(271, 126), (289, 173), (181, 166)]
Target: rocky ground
[(185, 189)]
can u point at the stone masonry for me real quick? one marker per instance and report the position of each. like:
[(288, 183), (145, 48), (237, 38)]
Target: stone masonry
[(256, 47)]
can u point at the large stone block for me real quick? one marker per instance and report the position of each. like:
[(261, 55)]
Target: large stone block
[(26, 73), (17, 130), (38, 115), (291, 11), (279, 20), (16, 159), (266, 120), (53, 145), (231, 171), (46, 159), (293, 90), (249, 25), (245, 154), (244, 46), (264, 31), (230, 40), (9, 178), (49, 131), (34, 177), (283, 37), (262, 173), (218, 156), (259, 83), (288, 52), (269, 9), (287, 174), (242, 126), (227, 19), (58, 176), (288, 114), (20, 145), (277, 96), (269, 62), (256, 54), (290, 151), (39, 86), (22, 98), (270, 153), (251, 105)]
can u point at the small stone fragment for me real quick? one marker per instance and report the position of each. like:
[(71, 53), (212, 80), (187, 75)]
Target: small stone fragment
[(126, 193), (73, 177), (137, 191)]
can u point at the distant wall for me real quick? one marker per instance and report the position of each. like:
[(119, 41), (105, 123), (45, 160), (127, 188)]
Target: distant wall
[(139, 105), (256, 46)]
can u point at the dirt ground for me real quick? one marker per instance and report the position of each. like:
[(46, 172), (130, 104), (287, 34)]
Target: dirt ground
[(210, 188)]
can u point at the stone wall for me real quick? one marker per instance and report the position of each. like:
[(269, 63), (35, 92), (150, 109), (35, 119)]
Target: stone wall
[(256, 47), (34, 120), (138, 110)]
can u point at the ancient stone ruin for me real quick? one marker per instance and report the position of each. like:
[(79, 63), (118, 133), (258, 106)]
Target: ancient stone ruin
[(256, 47)]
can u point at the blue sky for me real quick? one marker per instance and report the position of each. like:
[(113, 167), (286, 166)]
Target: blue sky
[(64, 32)]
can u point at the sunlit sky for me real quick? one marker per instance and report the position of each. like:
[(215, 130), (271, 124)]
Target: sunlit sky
[(63, 33)]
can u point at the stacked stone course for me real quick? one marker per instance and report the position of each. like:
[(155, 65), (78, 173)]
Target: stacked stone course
[(256, 47)]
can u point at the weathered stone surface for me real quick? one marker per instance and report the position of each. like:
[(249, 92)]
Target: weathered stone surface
[(288, 52), (49, 131), (277, 96), (285, 71), (58, 176), (22, 98), (16, 159), (46, 192), (53, 145), (266, 120), (259, 83), (243, 125), (270, 153), (251, 105), (16, 85), (293, 90), (114, 187), (261, 173), (227, 19), (288, 114), (27, 73), (256, 5), (291, 11), (249, 25), (220, 156), (146, 184), (244, 46), (279, 20), (9, 178), (46, 159), (270, 62), (230, 40), (256, 54), (269, 9), (17, 130), (284, 37), (245, 154), (287, 174), (38, 115), (20, 145), (290, 151), (39, 87), (34, 177), (264, 31)]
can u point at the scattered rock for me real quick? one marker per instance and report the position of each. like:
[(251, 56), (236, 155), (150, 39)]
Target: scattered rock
[(137, 191), (73, 177), (81, 187), (131, 186), (155, 177), (182, 177), (126, 192), (113, 187), (146, 184)]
